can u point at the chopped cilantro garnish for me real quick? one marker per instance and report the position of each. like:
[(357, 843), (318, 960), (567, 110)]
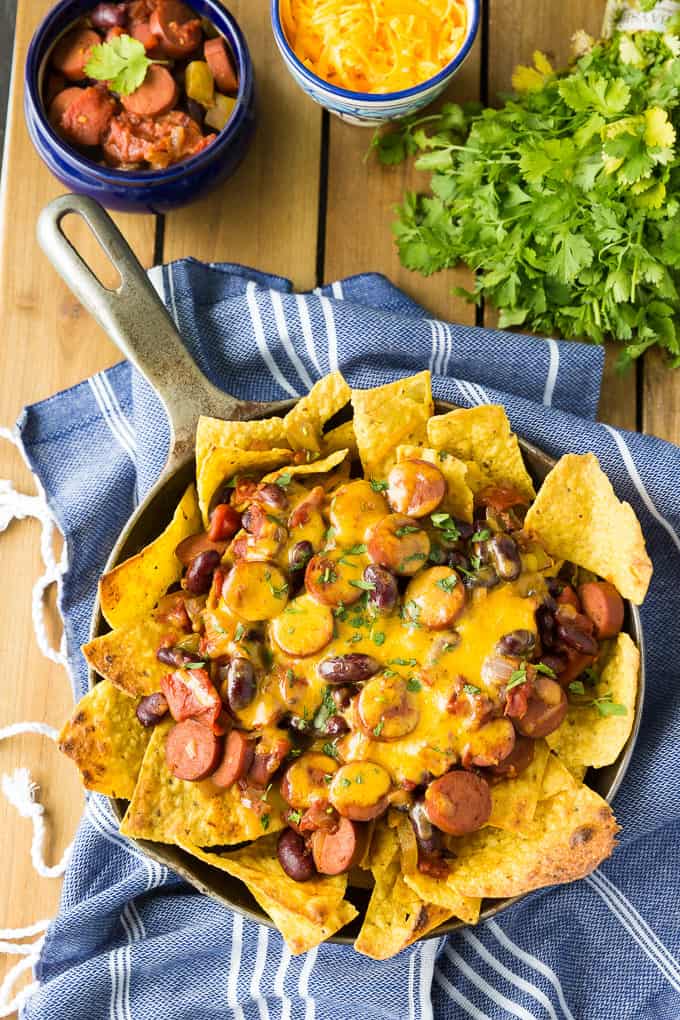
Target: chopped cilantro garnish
[(481, 535), (446, 524), (607, 707), (576, 687), (471, 689), (447, 584), (377, 730), (517, 677), (284, 479), (364, 585), (402, 662), (345, 782), (541, 667), (414, 685), (406, 529), (194, 665), (295, 816), (378, 637), (377, 485), (330, 749), (328, 576), (264, 822), (356, 550), (239, 632)]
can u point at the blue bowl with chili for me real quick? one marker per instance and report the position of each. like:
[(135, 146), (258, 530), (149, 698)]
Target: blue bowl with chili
[(137, 190)]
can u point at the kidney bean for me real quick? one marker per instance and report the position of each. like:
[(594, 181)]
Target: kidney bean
[(438, 554), (241, 683), (385, 594), (198, 577), (342, 696), (106, 16), (294, 857), (485, 577), (352, 668), (517, 642), (151, 709), (578, 639), (336, 726), (505, 554), (273, 495), (176, 657), (300, 555), (547, 627), (455, 558)]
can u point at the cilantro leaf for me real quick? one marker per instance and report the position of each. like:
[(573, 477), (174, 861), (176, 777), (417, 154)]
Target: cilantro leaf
[(122, 63)]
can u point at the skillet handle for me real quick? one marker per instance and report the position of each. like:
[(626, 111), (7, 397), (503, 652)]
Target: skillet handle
[(136, 320)]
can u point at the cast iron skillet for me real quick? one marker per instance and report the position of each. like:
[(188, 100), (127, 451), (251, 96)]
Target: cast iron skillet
[(136, 320)]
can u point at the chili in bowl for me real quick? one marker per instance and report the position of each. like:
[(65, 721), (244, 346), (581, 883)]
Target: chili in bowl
[(143, 104)]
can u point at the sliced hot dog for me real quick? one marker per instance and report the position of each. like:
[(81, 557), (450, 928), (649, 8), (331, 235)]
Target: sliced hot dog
[(436, 597), (304, 627), (192, 751), (142, 31), (268, 758), (359, 790), (219, 62), (157, 94), (458, 802), (55, 84), (568, 597), (491, 744), (72, 53), (546, 709), (603, 604), (415, 488), (177, 30), (398, 543), (60, 104), (519, 759), (336, 852), (255, 590), (191, 547), (237, 759), (88, 115)]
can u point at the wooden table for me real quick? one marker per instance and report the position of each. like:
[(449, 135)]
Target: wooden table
[(305, 205)]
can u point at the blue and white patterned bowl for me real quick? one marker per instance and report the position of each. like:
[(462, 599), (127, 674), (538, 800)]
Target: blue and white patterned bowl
[(366, 107)]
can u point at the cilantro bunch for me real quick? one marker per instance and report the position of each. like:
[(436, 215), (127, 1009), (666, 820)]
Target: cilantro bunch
[(566, 201)]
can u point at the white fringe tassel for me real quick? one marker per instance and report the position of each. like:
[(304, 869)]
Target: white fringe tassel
[(19, 788)]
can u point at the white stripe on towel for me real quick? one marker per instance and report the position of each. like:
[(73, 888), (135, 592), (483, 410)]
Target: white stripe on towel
[(261, 341), (459, 998), (235, 966), (336, 288), (306, 324), (258, 970), (303, 984), (284, 336), (509, 975), (531, 961), (553, 369), (331, 333), (476, 979)]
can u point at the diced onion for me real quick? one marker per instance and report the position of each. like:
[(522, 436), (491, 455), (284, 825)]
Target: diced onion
[(375, 45)]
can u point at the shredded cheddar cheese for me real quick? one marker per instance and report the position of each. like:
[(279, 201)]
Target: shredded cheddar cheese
[(375, 45)]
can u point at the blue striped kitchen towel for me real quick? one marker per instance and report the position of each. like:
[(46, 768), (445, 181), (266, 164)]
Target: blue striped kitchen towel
[(133, 941)]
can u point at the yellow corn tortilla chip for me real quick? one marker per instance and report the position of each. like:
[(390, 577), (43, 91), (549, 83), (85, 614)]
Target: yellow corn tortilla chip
[(586, 737), (132, 589), (459, 496), (396, 916), (390, 416), (514, 801), (169, 810), (571, 834), (221, 465), (314, 467), (106, 740), (578, 517), (306, 913), (438, 892), (340, 438), (556, 778), (215, 433), (483, 436), (304, 423), (127, 656)]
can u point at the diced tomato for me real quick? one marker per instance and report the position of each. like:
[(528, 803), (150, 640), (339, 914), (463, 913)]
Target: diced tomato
[(191, 695), (224, 523)]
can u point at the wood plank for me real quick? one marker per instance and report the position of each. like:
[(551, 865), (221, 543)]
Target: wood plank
[(661, 398), (516, 29), (360, 210), (49, 343), (266, 215)]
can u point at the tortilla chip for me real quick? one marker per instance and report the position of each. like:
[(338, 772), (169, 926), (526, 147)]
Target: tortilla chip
[(459, 496), (106, 741), (514, 801), (264, 434), (571, 834), (304, 423), (586, 737), (221, 465), (396, 916), (127, 656), (340, 438), (314, 467), (557, 778), (438, 892), (578, 517), (408, 845), (483, 436), (168, 810), (391, 416), (306, 913), (132, 589)]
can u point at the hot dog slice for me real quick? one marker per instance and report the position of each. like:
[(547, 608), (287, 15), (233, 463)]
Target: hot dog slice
[(359, 790), (603, 604), (157, 94), (435, 598), (305, 782), (72, 53), (332, 582), (415, 487), (177, 30), (255, 590), (237, 759), (336, 852), (141, 30), (88, 115), (387, 710), (519, 759), (268, 758), (546, 708), (192, 751), (491, 744), (219, 62), (354, 508), (56, 83), (191, 547), (398, 543), (303, 628), (458, 802), (60, 104)]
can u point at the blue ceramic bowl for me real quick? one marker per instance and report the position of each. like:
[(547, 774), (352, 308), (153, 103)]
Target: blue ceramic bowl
[(152, 191), (367, 107)]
